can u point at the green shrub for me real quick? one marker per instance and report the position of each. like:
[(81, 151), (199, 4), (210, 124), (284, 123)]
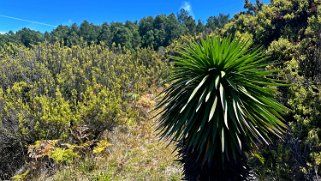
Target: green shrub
[(63, 155), (49, 91)]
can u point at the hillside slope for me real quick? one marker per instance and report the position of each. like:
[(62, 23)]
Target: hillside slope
[(135, 153)]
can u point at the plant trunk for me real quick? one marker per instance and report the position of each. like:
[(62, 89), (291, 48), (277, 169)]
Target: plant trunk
[(199, 170)]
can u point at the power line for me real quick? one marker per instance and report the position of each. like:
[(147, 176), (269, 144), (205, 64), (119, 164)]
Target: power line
[(26, 20)]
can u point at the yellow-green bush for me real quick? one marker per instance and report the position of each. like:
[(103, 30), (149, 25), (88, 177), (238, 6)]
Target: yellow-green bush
[(63, 155), (47, 87), (49, 90)]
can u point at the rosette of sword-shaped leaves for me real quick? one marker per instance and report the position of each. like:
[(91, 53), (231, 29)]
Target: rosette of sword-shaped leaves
[(220, 98)]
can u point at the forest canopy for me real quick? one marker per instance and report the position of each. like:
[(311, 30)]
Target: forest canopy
[(152, 32)]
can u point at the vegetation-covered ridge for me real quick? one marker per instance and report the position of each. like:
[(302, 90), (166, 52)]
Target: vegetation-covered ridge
[(62, 91), (150, 32)]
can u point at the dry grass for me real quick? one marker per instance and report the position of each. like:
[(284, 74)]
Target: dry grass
[(136, 154)]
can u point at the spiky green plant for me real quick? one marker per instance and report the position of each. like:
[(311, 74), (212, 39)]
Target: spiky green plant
[(219, 103)]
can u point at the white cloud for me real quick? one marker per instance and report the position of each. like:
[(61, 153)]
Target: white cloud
[(188, 7), (3, 32), (70, 22)]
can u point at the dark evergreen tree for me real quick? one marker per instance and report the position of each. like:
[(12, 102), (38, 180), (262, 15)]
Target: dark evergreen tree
[(215, 22), (28, 37), (185, 19)]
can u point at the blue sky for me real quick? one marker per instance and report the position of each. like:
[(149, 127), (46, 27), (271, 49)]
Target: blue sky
[(46, 14)]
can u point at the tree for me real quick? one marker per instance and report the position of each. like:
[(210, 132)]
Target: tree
[(159, 30), (145, 28), (121, 35), (200, 27), (28, 37), (172, 28), (89, 31), (215, 22), (60, 34), (145, 25), (253, 9), (184, 18), (219, 104), (136, 38), (105, 34), (73, 35)]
